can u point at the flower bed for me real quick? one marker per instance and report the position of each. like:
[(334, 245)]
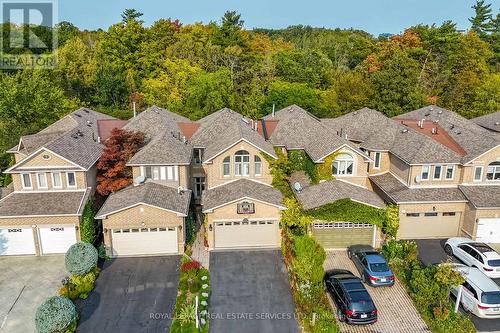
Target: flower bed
[(429, 287), (194, 281)]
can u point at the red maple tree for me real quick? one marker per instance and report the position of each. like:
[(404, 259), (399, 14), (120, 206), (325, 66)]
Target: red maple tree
[(112, 172)]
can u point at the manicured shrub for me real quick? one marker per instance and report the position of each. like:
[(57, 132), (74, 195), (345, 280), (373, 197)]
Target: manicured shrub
[(81, 258), (391, 222), (80, 286), (56, 315), (88, 227)]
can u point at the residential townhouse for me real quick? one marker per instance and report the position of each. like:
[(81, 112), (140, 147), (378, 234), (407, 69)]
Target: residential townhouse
[(52, 179), (441, 172)]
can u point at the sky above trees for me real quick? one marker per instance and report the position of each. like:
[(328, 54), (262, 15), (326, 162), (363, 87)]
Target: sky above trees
[(375, 17)]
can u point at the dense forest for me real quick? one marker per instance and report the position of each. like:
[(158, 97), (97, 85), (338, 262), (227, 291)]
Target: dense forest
[(195, 69)]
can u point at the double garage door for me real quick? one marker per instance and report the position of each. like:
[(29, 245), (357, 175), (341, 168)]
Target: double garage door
[(144, 241), (339, 235), (488, 230), (21, 240), (429, 225), (247, 234)]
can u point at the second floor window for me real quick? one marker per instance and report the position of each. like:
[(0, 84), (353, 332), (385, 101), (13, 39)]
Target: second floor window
[(197, 155), (493, 171), (343, 165), (377, 160), (242, 163), (257, 166), (478, 173), (425, 172), (226, 166), (71, 178), (161, 172), (26, 177), (56, 180), (450, 171), (437, 172), (42, 180)]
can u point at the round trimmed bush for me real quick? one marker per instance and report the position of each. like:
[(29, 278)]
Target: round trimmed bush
[(81, 258), (57, 314)]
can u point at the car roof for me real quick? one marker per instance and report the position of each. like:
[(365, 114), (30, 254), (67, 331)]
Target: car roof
[(477, 278), (375, 259), (481, 247), (353, 285)]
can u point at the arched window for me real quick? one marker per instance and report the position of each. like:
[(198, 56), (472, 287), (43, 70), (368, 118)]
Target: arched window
[(493, 172), (343, 165), (257, 166), (242, 163), (226, 166)]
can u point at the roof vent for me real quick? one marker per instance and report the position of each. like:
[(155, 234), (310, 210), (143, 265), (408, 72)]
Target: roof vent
[(79, 133), (440, 111), (78, 115), (86, 111), (497, 123), (452, 126), (458, 132), (355, 113), (434, 130), (180, 190), (404, 130), (431, 108), (243, 119), (89, 123)]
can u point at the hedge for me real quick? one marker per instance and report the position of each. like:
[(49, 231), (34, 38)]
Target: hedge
[(88, 227), (56, 315), (81, 258)]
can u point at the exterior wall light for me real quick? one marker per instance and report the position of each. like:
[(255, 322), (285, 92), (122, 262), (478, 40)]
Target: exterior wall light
[(210, 227)]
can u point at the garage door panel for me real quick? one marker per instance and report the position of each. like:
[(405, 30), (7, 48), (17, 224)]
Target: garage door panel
[(56, 239), (488, 230), (422, 227), (145, 241), (337, 235), (17, 241), (245, 234)]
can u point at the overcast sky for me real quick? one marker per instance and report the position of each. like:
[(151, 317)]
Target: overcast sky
[(373, 16)]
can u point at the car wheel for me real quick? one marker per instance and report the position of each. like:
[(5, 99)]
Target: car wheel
[(340, 315), (448, 250)]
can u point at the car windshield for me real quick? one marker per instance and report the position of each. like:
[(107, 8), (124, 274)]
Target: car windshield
[(494, 263), (492, 297), (361, 301), (379, 267)]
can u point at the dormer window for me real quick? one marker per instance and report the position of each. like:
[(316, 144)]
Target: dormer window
[(26, 180), (197, 155), (242, 163), (437, 172), (425, 172)]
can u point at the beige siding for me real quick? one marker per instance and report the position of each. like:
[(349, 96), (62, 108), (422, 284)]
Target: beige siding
[(183, 177), (38, 160), (81, 181), (469, 227), (484, 160), (416, 170), (399, 168), (214, 173), (229, 212), (385, 163), (19, 157), (151, 217)]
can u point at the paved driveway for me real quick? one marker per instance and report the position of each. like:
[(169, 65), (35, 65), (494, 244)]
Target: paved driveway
[(132, 295), (431, 251), (396, 312), (25, 282), (250, 293)]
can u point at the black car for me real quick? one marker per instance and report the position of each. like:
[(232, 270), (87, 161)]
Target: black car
[(354, 304)]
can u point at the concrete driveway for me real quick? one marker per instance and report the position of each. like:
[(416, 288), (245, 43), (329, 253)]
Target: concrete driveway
[(396, 312), (431, 251), (132, 295), (250, 293), (25, 282)]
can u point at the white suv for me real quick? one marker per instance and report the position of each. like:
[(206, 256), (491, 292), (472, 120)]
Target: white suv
[(474, 254), (480, 295)]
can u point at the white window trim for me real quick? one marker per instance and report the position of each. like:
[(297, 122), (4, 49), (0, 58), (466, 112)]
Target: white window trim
[(24, 185), (494, 172), (440, 172), (354, 166), (452, 172), (242, 163), (257, 162), (53, 175), (481, 175), (228, 164), (428, 172), (379, 154), (38, 174), (67, 180)]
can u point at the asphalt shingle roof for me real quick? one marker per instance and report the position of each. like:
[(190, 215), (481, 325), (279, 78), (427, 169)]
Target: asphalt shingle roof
[(357, 125), (297, 128), (150, 193), (474, 139), (486, 196), (73, 137), (240, 189), (400, 193), (43, 204), (224, 128), (314, 196), (490, 121)]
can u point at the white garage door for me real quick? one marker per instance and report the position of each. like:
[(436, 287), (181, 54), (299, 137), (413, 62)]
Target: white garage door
[(144, 241), (488, 230), (17, 241), (57, 239), (242, 234)]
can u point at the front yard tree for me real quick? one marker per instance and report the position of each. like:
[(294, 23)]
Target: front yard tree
[(113, 174)]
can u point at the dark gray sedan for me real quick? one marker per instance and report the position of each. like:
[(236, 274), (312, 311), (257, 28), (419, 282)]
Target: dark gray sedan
[(371, 265)]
